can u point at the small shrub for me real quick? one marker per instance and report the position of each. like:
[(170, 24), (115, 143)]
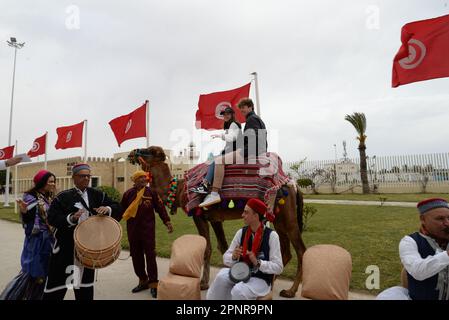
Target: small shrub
[(308, 213), (111, 192), (304, 183)]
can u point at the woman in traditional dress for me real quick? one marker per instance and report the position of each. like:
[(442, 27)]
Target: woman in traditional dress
[(29, 284)]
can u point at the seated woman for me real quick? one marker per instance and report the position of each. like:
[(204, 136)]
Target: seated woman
[(29, 284), (232, 134)]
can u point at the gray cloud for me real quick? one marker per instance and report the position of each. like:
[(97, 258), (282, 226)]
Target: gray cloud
[(317, 61)]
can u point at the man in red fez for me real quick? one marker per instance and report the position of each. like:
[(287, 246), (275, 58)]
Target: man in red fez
[(425, 256), (256, 245)]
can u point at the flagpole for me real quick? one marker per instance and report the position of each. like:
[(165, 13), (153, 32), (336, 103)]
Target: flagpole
[(45, 161), (85, 140), (148, 123), (15, 183), (257, 93)]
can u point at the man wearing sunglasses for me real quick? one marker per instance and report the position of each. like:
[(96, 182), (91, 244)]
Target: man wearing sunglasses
[(69, 208)]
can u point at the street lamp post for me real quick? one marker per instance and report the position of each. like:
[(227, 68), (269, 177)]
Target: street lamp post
[(16, 45)]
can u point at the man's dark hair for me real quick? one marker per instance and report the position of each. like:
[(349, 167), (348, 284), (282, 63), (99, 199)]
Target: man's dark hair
[(246, 102)]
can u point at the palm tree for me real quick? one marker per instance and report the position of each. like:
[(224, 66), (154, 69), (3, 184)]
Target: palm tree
[(358, 120)]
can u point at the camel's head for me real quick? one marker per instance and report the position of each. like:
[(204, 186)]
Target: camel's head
[(147, 157)]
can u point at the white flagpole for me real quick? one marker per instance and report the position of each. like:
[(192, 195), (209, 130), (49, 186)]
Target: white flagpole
[(15, 183), (45, 161), (85, 140), (256, 83), (148, 123)]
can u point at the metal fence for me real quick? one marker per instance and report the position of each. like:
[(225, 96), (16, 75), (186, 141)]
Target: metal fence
[(404, 173)]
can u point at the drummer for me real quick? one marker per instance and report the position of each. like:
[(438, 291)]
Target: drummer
[(139, 204), (69, 208), (256, 245)]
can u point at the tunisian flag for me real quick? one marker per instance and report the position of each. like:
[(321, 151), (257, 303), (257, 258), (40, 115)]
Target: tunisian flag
[(130, 126), (7, 153), (424, 52), (210, 105), (70, 136), (38, 146)]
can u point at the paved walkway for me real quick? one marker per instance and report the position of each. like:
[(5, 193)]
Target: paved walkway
[(114, 282), (363, 203)]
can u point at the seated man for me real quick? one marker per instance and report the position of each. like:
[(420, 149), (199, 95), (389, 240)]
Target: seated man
[(425, 256), (256, 245)]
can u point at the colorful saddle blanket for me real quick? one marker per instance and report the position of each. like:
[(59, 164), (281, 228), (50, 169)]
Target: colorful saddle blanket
[(261, 178)]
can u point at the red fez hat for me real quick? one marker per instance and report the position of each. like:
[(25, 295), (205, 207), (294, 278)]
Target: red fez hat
[(38, 177), (257, 205)]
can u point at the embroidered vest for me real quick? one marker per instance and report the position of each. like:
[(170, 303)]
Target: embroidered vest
[(263, 254), (425, 289)]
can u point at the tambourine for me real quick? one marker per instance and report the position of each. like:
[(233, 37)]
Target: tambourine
[(240, 272)]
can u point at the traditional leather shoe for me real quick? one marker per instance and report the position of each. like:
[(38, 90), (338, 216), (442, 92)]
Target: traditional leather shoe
[(153, 293), (140, 287)]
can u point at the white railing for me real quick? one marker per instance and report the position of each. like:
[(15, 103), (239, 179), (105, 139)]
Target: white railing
[(405, 173)]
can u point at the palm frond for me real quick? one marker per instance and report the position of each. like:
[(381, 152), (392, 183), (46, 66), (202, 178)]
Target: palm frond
[(358, 120)]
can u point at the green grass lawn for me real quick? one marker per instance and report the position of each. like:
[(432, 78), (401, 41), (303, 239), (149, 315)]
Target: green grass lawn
[(412, 197), (370, 233)]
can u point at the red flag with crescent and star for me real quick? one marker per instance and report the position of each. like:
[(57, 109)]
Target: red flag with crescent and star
[(424, 52), (70, 136), (7, 153), (38, 146), (130, 126), (210, 105)]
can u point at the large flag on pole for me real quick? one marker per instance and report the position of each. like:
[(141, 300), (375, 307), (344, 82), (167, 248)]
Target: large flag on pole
[(70, 136), (424, 52), (210, 105), (38, 146), (7, 153), (130, 126)]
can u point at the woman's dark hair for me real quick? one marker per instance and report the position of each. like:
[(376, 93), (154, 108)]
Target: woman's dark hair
[(227, 124), (41, 184)]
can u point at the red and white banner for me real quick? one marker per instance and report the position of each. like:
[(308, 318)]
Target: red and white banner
[(130, 126), (424, 52), (7, 153), (70, 136), (38, 146), (210, 105)]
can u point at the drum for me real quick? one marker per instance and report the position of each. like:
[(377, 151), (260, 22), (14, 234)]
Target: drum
[(240, 272), (98, 241)]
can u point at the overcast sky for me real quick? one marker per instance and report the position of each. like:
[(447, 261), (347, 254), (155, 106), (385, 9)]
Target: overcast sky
[(317, 61)]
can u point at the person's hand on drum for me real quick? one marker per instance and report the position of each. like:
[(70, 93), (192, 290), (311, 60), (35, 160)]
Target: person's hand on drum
[(237, 253), (169, 227), (252, 257), (75, 216), (22, 205), (102, 211)]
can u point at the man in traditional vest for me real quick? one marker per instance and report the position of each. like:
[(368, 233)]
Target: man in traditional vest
[(425, 256), (256, 245)]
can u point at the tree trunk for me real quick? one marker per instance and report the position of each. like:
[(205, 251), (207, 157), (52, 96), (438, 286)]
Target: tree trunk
[(363, 169)]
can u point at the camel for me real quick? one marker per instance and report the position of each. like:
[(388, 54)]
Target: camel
[(288, 222)]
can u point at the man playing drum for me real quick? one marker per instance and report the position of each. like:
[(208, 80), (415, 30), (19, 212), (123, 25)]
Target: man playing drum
[(139, 204), (258, 247), (69, 208)]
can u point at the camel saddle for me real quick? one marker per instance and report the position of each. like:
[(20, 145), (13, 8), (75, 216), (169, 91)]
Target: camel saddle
[(261, 178)]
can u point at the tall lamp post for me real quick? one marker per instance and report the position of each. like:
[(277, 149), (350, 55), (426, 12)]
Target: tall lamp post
[(16, 45)]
